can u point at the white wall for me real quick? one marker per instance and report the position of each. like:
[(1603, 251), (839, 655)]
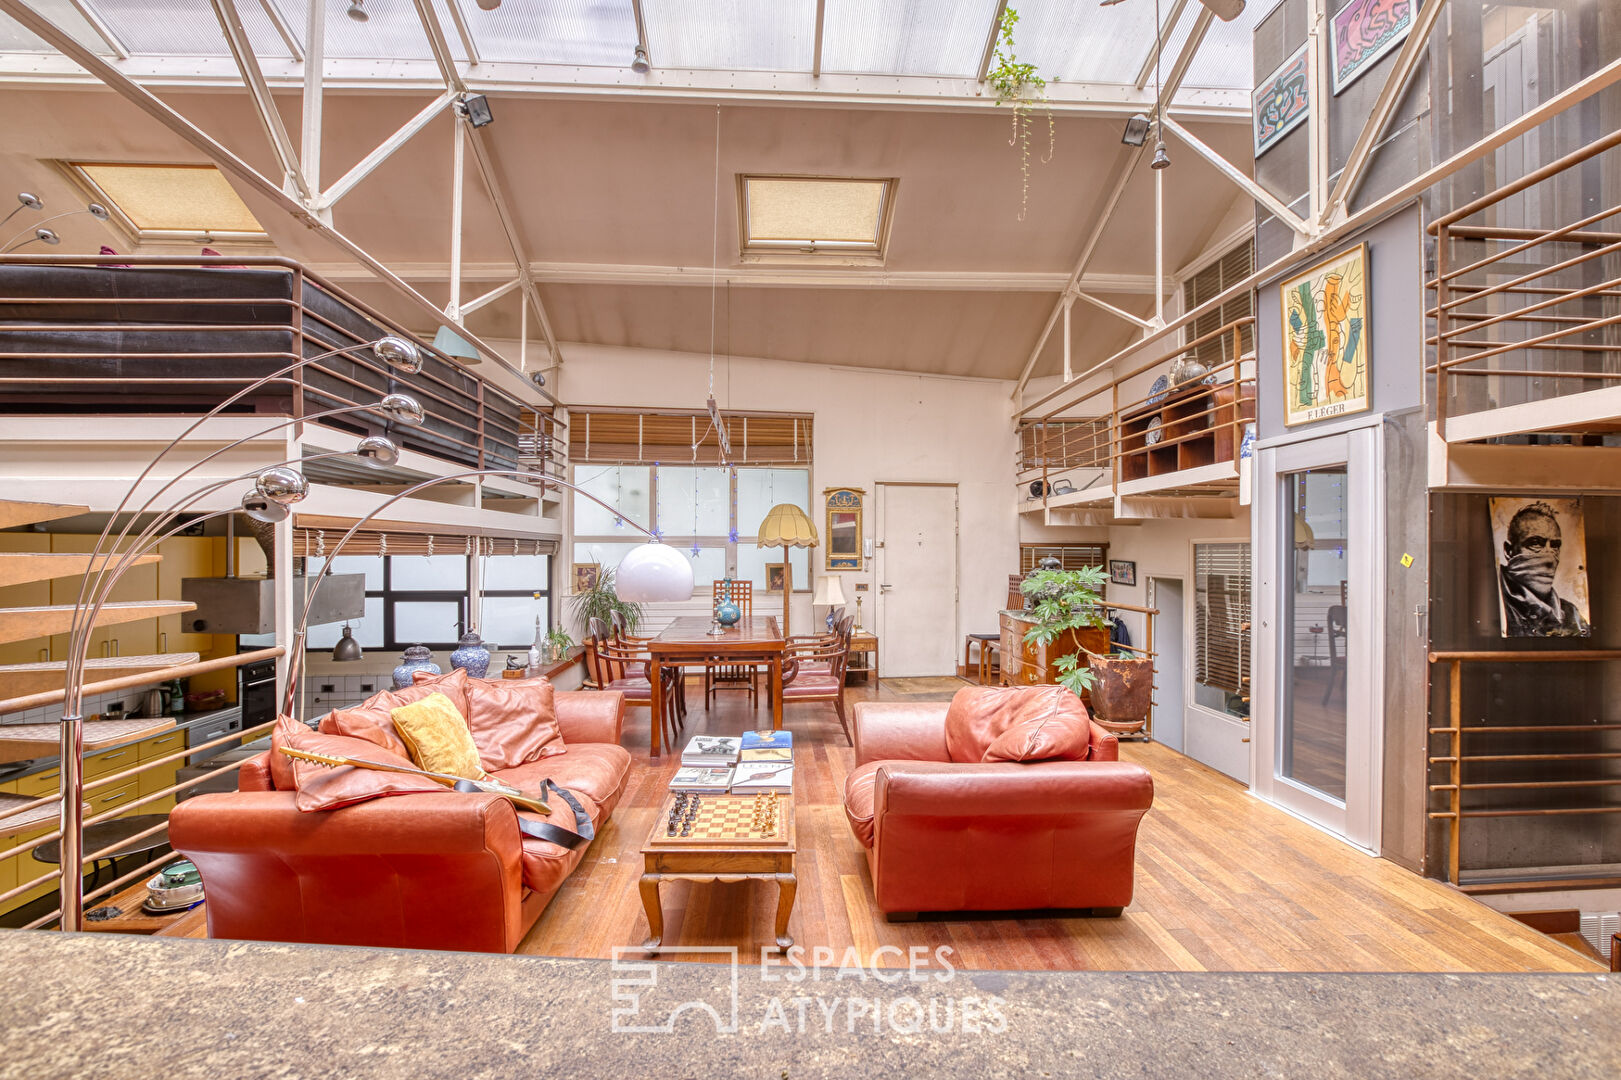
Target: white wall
[(1163, 547), (870, 426)]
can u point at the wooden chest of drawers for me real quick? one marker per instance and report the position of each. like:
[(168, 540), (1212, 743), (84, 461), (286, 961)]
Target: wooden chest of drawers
[(1025, 663)]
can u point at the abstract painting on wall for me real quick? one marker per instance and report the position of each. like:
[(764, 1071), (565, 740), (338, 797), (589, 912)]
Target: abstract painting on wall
[(1540, 548), (1362, 32), (1325, 339), (1281, 101)]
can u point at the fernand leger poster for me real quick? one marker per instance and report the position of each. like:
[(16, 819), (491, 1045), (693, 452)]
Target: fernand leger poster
[(1325, 339)]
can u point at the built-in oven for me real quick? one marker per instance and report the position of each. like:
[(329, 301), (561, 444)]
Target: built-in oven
[(256, 693)]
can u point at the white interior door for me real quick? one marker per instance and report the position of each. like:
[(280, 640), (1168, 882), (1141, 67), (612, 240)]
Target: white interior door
[(1170, 691), (1319, 534), (917, 578)]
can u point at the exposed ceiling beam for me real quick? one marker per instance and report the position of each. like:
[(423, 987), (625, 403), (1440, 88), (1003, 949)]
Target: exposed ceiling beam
[(1166, 30), (249, 177), (1125, 164), (385, 150), (756, 276), (284, 27), (776, 89), (989, 54), (1141, 324), (489, 297), (463, 31), (1390, 95), (99, 25), (641, 30), (313, 99), (1273, 204), (816, 58), (236, 38)]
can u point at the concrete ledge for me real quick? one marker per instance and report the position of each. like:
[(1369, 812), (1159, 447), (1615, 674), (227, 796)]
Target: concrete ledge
[(91, 1005)]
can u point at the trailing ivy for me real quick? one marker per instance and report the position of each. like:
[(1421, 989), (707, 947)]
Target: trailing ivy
[(1020, 85)]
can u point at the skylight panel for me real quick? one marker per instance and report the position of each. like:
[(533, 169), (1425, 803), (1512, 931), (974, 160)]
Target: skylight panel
[(923, 37), (589, 32), (1085, 43), (815, 215), (170, 201), (13, 38), (731, 35), (187, 28)]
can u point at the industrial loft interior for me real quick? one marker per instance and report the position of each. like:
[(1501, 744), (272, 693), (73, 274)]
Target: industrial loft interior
[(797, 538)]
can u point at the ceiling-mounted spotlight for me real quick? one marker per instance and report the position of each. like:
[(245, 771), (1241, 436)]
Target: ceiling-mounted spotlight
[(357, 10), (1136, 132), (639, 63), (538, 378), (476, 108), (1162, 160)]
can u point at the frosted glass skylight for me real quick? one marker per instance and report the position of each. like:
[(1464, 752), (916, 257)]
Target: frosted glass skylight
[(191, 199), (732, 35), (921, 37)]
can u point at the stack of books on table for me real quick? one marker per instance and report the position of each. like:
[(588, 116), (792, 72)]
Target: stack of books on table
[(761, 761), (712, 751)]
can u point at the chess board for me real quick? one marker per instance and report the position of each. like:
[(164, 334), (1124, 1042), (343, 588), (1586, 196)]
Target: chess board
[(724, 819)]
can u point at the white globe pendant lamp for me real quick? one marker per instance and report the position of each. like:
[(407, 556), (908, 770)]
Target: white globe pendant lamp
[(654, 573)]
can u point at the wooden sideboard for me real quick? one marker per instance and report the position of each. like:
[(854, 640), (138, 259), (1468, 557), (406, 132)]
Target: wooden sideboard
[(1026, 663)]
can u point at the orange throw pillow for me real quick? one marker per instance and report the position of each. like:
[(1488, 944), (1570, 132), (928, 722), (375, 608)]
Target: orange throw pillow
[(373, 719), (281, 766), (325, 787), (1049, 724), (513, 721)]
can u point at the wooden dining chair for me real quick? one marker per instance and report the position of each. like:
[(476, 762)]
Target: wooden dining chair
[(731, 675), (625, 668), (635, 641), (814, 673)]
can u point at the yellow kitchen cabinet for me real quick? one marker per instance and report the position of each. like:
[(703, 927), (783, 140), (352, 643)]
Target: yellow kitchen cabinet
[(158, 777), (138, 583), (184, 557)]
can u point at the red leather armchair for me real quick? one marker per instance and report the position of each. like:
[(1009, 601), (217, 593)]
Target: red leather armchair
[(945, 835), (432, 870)]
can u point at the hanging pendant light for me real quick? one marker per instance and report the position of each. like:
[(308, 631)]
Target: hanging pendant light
[(653, 573), (357, 11), (347, 647), (1161, 160)]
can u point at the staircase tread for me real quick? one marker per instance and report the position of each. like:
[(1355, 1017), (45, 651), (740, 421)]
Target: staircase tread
[(24, 567), (13, 512), (101, 663)]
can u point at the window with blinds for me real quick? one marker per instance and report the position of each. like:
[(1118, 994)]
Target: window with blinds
[(605, 436), (1209, 283), (1221, 625), (1070, 556)]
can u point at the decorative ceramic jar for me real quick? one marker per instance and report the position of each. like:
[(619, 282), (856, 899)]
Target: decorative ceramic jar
[(728, 614), (415, 658), (1122, 692), (471, 655)]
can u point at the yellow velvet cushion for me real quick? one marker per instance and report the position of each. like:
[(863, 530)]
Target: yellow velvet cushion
[(436, 736)]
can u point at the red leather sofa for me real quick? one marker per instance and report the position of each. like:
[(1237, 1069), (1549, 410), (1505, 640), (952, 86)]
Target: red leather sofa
[(945, 830), (427, 869)]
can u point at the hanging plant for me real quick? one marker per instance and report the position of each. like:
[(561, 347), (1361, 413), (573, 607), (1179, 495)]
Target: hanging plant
[(1022, 87)]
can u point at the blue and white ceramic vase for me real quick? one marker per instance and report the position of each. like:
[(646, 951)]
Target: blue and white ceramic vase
[(415, 658), (471, 655), (728, 614)]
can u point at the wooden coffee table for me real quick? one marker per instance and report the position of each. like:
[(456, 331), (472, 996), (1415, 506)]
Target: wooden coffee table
[(718, 860)]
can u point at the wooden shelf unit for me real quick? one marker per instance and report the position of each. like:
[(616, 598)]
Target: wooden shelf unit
[(1199, 425)]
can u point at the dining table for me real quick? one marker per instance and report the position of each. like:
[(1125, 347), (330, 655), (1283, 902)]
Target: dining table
[(689, 642)]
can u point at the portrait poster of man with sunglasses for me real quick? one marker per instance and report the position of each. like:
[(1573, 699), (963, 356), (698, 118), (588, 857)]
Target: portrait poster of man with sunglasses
[(1542, 575)]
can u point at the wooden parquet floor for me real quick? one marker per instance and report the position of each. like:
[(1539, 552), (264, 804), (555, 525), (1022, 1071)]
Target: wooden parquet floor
[(1225, 882)]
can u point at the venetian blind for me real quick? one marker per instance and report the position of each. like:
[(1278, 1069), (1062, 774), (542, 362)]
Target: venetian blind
[(314, 543), (632, 437), (1222, 582), (1071, 556), (1209, 283)]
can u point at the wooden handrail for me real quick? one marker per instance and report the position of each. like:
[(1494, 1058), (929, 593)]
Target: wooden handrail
[(156, 675), (1505, 656)]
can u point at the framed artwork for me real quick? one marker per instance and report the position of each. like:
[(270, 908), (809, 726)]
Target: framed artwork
[(1122, 572), (586, 576), (843, 532), (1539, 547), (776, 576), (1281, 102), (1325, 340), (1361, 32)]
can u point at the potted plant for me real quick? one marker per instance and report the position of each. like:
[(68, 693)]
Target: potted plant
[(1121, 687), (600, 601), (1019, 84), (558, 643)]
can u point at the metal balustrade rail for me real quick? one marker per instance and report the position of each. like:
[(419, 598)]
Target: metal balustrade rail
[(1527, 315), (176, 335), (1087, 425)]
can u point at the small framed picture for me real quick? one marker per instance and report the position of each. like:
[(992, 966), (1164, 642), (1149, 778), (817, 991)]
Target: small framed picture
[(1122, 572), (586, 576), (776, 576)]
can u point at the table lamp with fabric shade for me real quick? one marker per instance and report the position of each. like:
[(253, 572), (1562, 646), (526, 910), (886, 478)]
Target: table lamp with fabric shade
[(786, 526), (829, 593)]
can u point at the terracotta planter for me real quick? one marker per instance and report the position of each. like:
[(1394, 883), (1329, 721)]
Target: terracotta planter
[(1122, 691)]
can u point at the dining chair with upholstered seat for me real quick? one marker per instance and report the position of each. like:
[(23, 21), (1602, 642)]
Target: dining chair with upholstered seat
[(731, 675), (814, 673), (623, 667)]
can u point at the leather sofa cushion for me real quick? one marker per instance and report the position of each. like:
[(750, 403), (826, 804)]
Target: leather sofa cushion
[(1051, 726), (513, 721), (281, 766), (859, 788), (979, 714), (323, 787), (436, 734), (598, 771), (373, 721)]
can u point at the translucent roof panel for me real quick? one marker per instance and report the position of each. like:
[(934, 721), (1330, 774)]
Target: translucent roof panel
[(1078, 41), (392, 30), (732, 35), (13, 38), (591, 32), (912, 37), (1225, 59), (187, 28)]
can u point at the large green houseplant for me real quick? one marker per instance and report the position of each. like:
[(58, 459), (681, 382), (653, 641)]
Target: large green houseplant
[(1065, 600), (602, 602)]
